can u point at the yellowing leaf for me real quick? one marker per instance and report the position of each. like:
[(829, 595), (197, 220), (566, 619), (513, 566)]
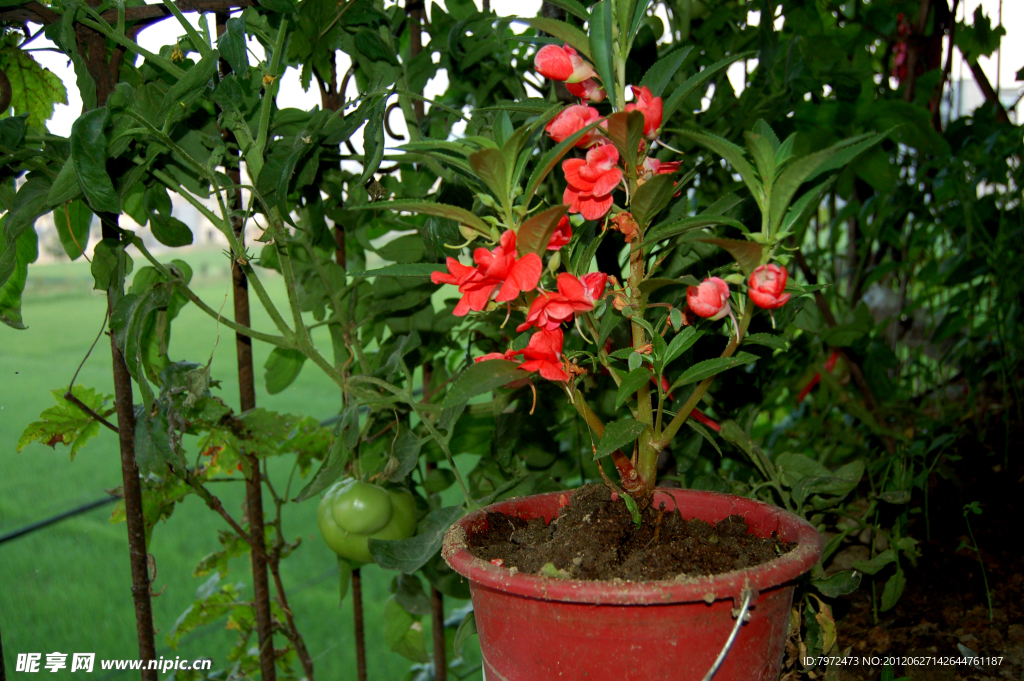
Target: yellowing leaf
[(34, 90)]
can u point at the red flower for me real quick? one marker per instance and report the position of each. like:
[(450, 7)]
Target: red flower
[(543, 354), (498, 274), (562, 63), (650, 106), (588, 89), (709, 300), (562, 235), (767, 285), (571, 121), (591, 181), (549, 309), (653, 166)]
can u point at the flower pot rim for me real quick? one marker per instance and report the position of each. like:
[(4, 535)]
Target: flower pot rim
[(727, 585)]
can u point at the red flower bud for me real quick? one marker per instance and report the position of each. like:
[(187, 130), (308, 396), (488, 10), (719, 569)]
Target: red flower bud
[(571, 121), (562, 235), (767, 285), (650, 106), (709, 300), (562, 63)]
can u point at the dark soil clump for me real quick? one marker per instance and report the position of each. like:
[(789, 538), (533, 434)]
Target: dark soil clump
[(595, 538)]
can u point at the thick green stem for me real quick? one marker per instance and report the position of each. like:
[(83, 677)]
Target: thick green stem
[(254, 155)]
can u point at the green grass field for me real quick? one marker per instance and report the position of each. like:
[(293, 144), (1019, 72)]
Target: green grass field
[(66, 588)]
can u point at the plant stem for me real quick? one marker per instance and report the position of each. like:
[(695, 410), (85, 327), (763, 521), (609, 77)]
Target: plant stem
[(357, 617), (684, 412), (984, 575)]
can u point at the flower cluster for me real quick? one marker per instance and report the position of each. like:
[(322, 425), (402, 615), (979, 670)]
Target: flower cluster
[(591, 180), (501, 276)]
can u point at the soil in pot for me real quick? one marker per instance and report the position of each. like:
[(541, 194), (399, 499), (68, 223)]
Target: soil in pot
[(594, 538)]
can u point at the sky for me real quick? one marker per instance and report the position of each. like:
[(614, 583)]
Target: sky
[(166, 32)]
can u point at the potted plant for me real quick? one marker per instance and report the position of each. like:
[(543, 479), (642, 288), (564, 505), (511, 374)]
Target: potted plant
[(535, 261)]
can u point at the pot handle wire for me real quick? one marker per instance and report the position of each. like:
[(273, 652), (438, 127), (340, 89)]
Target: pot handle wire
[(748, 595)]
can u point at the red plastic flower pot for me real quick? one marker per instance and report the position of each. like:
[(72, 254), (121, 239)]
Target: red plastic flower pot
[(536, 628)]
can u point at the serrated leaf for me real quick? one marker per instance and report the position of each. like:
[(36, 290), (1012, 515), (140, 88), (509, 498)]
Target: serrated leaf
[(460, 215), (660, 75), (734, 155), (651, 198), (703, 432), (480, 378), (601, 43), (34, 89), (630, 384), (712, 367), (66, 423), (663, 231), (625, 130), (679, 95), (25, 251), (681, 342), (409, 555), (565, 32), (768, 340), (617, 434)]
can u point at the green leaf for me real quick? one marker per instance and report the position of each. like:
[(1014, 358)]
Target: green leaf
[(403, 632), (34, 90), (373, 141), (630, 384), (534, 234), (26, 250), (153, 451), (680, 343), (660, 75), (617, 434), (893, 590), (231, 45), (839, 584), (441, 210), (73, 220), (703, 432), (565, 32), (712, 367), (489, 166), (423, 270), (812, 165), (480, 378), (871, 567), (110, 264), (66, 423), (664, 231), (29, 203), (405, 453), (186, 90), (65, 187), (602, 43), (282, 368), (768, 340), (651, 198), (466, 629), (734, 155), (680, 94), (89, 156), (170, 231), (746, 253), (409, 555), (572, 7)]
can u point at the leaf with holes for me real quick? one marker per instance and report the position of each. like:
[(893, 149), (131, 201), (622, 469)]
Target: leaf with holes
[(67, 423)]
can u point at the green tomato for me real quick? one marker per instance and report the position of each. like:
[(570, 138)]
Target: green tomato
[(351, 513)]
